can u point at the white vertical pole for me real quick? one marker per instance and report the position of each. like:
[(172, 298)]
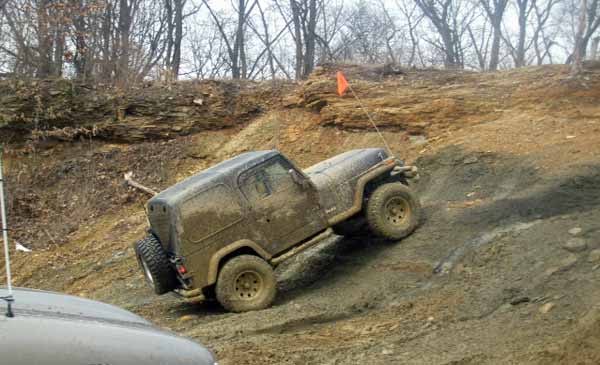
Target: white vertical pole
[(5, 229)]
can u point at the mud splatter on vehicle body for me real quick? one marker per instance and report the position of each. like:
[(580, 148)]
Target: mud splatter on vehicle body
[(221, 232)]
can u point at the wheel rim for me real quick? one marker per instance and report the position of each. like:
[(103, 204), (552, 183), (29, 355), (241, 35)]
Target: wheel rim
[(248, 285), (397, 210), (147, 273)]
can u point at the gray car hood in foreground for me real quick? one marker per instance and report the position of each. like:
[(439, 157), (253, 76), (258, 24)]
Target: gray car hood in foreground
[(55, 329)]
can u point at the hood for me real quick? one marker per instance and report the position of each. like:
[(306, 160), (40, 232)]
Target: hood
[(336, 178), (345, 166), (44, 303), (56, 329)]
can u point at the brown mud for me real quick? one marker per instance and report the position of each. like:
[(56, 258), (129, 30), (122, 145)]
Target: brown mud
[(503, 268)]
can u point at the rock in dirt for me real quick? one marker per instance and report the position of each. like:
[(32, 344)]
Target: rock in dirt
[(187, 318), (563, 265), (470, 160), (575, 231), (418, 140), (575, 245), (594, 256), (547, 307), (519, 300)]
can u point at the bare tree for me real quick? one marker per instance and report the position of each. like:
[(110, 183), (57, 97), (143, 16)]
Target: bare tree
[(579, 51), (591, 24), (480, 43), (594, 48), (542, 42), (329, 28), (518, 50), (494, 10), (413, 18), (236, 47), (302, 15), (451, 21)]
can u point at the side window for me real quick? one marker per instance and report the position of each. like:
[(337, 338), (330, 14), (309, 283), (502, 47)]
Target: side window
[(267, 179), (255, 185), (278, 176)]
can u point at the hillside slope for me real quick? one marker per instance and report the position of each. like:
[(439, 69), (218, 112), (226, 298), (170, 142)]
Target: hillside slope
[(502, 269)]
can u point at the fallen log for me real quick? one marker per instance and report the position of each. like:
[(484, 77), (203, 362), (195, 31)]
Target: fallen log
[(137, 185)]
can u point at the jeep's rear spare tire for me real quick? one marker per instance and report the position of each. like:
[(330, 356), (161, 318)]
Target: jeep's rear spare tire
[(246, 283), (393, 211), (155, 264)]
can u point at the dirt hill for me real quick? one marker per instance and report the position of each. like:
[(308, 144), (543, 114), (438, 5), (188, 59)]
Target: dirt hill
[(502, 269)]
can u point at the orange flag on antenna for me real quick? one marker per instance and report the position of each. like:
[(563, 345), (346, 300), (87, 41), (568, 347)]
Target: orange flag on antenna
[(341, 83)]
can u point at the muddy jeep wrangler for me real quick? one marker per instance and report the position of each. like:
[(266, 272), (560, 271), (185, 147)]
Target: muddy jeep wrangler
[(220, 233)]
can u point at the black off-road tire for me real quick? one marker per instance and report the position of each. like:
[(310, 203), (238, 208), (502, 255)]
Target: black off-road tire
[(155, 264), (393, 211), (246, 283)]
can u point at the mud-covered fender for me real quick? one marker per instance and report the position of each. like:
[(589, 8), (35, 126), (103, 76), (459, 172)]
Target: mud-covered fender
[(361, 183), (215, 260)]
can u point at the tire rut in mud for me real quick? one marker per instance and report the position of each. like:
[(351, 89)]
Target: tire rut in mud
[(493, 252)]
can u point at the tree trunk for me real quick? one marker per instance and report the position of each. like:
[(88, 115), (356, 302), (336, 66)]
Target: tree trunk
[(450, 61), (297, 38), (594, 50), (107, 65), (176, 60), (80, 60), (59, 51), (495, 51), (236, 66), (520, 56), (124, 29), (578, 54), (310, 39), (44, 62), (170, 31)]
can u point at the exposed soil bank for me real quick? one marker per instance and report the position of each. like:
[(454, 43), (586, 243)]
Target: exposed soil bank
[(502, 269)]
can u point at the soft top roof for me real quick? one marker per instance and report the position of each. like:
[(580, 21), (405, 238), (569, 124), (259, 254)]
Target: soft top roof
[(223, 172)]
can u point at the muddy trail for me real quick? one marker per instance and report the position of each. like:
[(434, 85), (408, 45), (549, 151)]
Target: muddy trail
[(485, 279), (501, 270)]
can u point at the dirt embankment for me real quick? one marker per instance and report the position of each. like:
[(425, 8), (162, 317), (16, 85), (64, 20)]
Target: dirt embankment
[(502, 269), (66, 110), (431, 101)]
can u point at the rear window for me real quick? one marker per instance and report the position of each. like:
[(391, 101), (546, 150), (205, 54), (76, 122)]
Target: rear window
[(209, 211)]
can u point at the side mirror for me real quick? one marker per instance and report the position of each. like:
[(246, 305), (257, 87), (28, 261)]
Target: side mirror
[(298, 178)]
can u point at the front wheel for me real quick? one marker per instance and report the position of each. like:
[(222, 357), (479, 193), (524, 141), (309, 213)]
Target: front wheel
[(393, 211), (246, 283)]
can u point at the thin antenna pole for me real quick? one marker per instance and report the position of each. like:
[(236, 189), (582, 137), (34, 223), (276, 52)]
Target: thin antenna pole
[(5, 229), (387, 146)]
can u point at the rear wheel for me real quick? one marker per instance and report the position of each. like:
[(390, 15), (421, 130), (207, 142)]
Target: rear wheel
[(246, 283), (155, 264), (393, 211)]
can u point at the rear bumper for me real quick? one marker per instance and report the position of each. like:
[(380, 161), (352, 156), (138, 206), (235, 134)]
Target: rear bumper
[(191, 295)]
